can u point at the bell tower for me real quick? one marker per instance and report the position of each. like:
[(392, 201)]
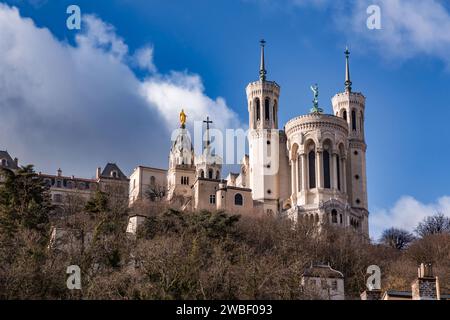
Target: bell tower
[(262, 99), (351, 106)]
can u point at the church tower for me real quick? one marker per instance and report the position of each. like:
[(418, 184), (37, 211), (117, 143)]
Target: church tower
[(181, 174), (208, 164), (262, 99), (351, 106)]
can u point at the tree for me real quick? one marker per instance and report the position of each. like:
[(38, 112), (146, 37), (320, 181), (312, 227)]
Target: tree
[(24, 201), (396, 238), (436, 224)]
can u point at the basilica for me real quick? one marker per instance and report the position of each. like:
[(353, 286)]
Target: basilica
[(313, 169)]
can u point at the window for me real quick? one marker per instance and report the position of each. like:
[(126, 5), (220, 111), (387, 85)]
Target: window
[(210, 174), (357, 177), (353, 120), (202, 174), (185, 180), (267, 109), (326, 169), (114, 174), (334, 216), (275, 111), (338, 169), (57, 198), (58, 184), (4, 162), (312, 169), (212, 199), (152, 181), (258, 109), (340, 219), (238, 200), (344, 115), (217, 175), (334, 285)]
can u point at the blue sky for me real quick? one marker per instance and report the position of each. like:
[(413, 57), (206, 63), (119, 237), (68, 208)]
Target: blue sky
[(212, 46)]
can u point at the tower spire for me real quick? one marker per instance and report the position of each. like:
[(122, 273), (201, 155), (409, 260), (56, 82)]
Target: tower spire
[(348, 82), (208, 141), (262, 68)]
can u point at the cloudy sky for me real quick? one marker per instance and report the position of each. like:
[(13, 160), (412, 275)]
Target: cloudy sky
[(112, 91)]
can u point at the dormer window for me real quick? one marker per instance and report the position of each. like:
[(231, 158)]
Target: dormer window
[(114, 174)]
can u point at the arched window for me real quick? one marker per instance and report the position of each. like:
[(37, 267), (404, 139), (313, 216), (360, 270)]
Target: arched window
[(202, 174), (312, 169), (267, 109), (4, 162), (353, 120), (334, 217), (326, 169), (338, 169), (210, 174), (217, 175), (258, 109), (238, 200), (344, 115)]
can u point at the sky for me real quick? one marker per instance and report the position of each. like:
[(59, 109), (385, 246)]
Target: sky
[(112, 91)]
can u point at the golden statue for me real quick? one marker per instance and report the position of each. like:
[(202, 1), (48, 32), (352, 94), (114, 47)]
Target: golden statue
[(182, 118)]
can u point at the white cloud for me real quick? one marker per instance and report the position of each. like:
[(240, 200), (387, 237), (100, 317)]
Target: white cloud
[(406, 213), (79, 106), (143, 58), (410, 28)]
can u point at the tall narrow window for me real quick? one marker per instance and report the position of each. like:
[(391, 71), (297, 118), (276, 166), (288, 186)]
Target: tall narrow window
[(210, 174), (275, 107), (344, 114), (258, 110), (353, 120), (312, 169), (267, 109), (326, 170), (334, 218), (338, 169), (238, 200)]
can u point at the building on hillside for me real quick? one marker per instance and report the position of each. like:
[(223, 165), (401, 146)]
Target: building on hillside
[(323, 282), (111, 180), (313, 169)]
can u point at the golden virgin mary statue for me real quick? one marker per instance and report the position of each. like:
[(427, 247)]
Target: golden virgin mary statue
[(182, 118)]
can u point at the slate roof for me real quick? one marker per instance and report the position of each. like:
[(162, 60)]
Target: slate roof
[(10, 163), (110, 167), (322, 271)]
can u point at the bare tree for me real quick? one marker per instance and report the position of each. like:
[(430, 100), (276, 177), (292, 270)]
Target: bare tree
[(433, 225), (396, 238)]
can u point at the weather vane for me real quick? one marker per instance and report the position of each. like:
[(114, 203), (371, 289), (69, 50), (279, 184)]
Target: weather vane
[(315, 108)]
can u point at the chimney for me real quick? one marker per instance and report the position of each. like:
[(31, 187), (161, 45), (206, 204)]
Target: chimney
[(59, 172), (16, 161), (371, 295), (426, 286), (99, 172)]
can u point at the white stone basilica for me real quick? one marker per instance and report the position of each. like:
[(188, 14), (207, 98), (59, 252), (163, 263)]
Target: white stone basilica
[(313, 169)]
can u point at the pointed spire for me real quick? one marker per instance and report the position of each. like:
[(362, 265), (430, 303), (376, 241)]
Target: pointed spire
[(348, 83), (262, 69)]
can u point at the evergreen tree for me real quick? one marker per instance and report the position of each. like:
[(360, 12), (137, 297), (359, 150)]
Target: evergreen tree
[(24, 201)]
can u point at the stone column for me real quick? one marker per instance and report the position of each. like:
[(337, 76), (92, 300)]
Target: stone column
[(319, 170), (293, 194), (334, 173), (304, 175), (344, 176), (299, 173)]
